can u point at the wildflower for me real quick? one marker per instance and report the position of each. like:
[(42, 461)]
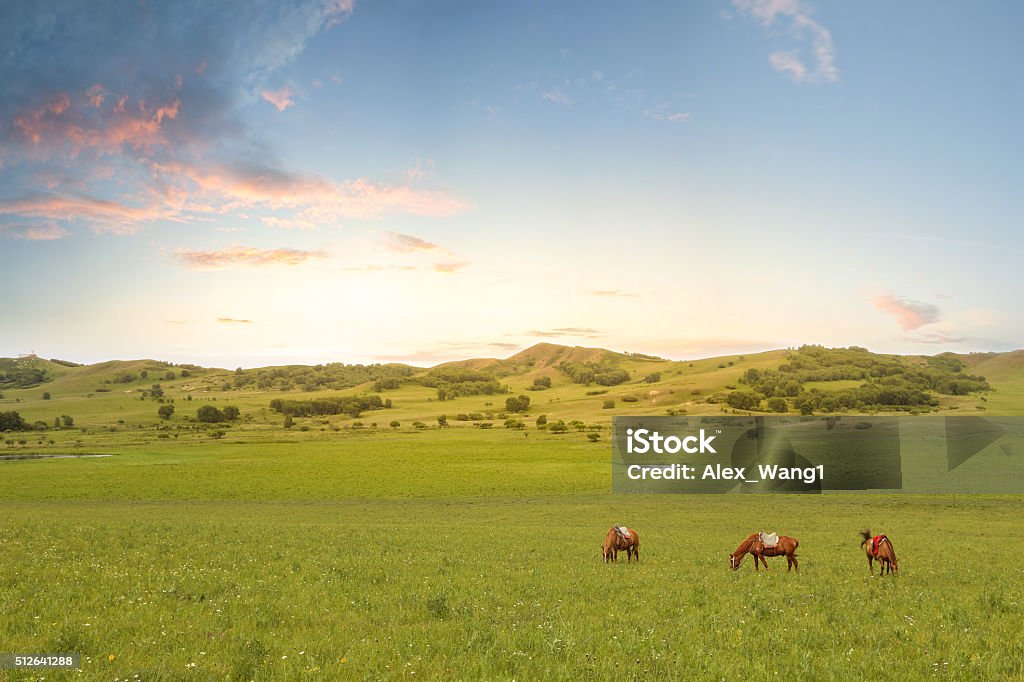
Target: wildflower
[(111, 658)]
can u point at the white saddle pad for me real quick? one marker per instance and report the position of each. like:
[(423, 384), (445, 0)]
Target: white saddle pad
[(769, 540)]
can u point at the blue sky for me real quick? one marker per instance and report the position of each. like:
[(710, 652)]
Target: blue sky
[(245, 183)]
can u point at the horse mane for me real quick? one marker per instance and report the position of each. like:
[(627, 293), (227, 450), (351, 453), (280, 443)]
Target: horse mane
[(866, 534), (745, 545)]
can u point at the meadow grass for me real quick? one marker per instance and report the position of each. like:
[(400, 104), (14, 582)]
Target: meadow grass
[(475, 555)]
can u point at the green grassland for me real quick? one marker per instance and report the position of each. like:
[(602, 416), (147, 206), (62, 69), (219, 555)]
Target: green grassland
[(336, 552)]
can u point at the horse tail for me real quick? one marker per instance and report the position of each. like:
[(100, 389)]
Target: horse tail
[(866, 534)]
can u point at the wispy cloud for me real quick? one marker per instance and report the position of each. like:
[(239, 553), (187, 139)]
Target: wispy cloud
[(448, 268), (557, 95), (232, 320), (802, 27), (613, 293), (669, 116), (558, 332), (45, 231), (909, 314), (406, 243), (280, 98), (245, 256)]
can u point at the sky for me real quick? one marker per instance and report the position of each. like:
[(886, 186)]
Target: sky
[(255, 182)]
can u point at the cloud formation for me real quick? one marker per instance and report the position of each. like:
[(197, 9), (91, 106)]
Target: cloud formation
[(280, 98), (558, 332), (117, 115), (909, 314), (795, 18), (406, 243), (245, 256), (232, 320)]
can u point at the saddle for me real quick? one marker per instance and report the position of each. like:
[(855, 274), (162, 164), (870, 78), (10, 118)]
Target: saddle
[(770, 541), (623, 533), (876, 542)]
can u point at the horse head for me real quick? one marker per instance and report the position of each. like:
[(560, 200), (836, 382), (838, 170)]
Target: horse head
[(734, 561)]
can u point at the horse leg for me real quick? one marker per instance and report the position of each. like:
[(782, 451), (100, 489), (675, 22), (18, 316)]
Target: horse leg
[(796, 564), (871, 565)]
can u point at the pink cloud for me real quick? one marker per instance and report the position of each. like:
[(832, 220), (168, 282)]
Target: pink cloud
[(449, 268), (48, 231), (909, 314), (802, 26), (280, 98), (246, 256), (103, 215), (406, 243)]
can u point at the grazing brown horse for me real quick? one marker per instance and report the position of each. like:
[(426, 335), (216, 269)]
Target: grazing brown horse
[(752, 544), (614, 542), (880, 548)]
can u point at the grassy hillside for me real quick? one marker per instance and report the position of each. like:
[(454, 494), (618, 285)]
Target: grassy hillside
[(582, 387)]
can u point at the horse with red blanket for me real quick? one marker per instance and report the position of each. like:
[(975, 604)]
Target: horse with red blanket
[(879, 548)]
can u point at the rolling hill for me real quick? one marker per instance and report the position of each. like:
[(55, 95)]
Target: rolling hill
[(572, 384)]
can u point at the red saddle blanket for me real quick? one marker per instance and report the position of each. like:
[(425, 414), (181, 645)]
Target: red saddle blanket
[(875, 543)]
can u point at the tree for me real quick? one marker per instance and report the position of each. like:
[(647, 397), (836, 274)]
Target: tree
[(542, 420), (56, 422), (395, 424), (156, 391), (12, 421), (442, 394), (288, 421), (46, 395), (209, 414), (778, 405), (442, 421), (68, 420), (518, 404), (230, 412), (558, 427), (541, 383), (608, 404), (744, 400), (165, 411), (593, 437), (653, 378)]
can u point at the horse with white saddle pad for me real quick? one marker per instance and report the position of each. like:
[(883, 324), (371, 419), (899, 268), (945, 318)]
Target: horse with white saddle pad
[(620, 538)]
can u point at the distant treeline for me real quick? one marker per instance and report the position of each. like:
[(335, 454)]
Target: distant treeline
[(593, 373), (889, 381), (452, 382), (335, 375), (350, 405), (15, 374)]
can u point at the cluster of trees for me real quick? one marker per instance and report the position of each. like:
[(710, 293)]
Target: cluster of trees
[(593, 373), (13, 421), (540, 384), (453, 382), (353, 406), (890, 382), (386, 383), (518, 404), (335, 375), (213, 415), (15, 375)]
